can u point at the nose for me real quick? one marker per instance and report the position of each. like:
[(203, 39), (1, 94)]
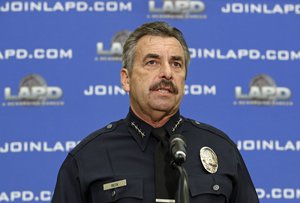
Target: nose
[(166, 72)]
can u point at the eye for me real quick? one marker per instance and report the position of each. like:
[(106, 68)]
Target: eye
[(151, 62), (176, 64)]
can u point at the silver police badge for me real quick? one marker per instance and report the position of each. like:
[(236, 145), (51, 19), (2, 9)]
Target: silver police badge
[(209, 159)]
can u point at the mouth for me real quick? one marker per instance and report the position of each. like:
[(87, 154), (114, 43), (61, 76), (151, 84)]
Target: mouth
[(164, 90), (165, 87)]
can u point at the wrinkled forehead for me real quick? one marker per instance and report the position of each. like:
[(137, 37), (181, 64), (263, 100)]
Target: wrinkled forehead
[(159, 45)]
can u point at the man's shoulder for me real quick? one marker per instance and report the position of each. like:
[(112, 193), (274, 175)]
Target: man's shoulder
[(107, 130), (197, 126)]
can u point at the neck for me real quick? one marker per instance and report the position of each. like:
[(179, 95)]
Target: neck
[(155, 118)]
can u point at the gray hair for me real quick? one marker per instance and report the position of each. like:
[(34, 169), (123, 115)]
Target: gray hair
[(155, 29)]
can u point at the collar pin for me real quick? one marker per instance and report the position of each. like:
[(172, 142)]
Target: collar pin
[(176, 125), (139, 131)]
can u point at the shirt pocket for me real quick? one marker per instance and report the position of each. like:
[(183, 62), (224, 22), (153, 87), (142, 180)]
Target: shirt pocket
[(208, 187), (131, 192)]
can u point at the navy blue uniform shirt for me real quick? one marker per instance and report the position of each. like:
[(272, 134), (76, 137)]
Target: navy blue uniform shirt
[(124, 151)]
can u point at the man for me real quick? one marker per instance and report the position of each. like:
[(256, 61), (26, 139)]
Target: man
[(122, 162)]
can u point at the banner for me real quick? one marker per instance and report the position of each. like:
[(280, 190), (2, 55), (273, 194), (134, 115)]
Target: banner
[(60, 67)]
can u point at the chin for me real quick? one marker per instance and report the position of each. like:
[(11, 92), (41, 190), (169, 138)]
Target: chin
[(163, 107)]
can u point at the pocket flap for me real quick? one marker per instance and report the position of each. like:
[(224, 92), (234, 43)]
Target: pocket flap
[(210, 184), (133, 189)]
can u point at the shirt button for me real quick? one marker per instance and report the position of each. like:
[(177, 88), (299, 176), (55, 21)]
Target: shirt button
[(216, 187), (113, 193), (109, 126)]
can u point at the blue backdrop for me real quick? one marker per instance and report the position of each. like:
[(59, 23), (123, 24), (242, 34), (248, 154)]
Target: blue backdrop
[(59, 78)]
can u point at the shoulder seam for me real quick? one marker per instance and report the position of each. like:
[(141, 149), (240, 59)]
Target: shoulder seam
[(93, 136), (211, 129)]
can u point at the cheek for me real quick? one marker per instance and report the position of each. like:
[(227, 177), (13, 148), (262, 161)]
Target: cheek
[(182, 87), (143, 82), (181, 82), (138, 85)]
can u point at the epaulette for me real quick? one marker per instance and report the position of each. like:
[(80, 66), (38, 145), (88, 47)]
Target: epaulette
[(108, 128), (207, 127)]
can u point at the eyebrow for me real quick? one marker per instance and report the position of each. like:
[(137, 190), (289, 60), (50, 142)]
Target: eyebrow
[(177, 58), (156, 56)]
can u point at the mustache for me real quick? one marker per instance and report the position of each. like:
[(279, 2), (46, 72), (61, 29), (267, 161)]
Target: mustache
[(165, 84)]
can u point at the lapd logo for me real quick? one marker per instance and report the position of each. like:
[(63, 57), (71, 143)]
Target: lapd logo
[(263, 91), (114, 53), (192, 9), (33, 91)]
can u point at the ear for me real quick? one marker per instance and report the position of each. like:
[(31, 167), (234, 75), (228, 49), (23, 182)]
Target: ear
[(125, 80)]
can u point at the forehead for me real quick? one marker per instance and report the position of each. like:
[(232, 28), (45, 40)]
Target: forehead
[(159, 45)]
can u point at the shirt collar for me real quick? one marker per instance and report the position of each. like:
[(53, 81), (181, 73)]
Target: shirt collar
[(141, 130)]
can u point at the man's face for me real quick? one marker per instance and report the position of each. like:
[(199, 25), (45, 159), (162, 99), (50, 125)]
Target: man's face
[(156, 82)]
